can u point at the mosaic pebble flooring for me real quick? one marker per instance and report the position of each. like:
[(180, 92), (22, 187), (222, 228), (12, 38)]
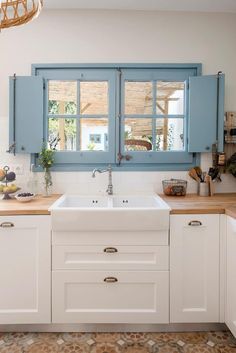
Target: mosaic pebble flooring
[(195, 342)]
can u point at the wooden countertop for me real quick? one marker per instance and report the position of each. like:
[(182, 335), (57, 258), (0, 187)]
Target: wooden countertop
[(192, 203), (189, 204), (38, 206)]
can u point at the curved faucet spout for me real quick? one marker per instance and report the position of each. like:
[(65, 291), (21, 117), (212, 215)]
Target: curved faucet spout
[(109, 170)]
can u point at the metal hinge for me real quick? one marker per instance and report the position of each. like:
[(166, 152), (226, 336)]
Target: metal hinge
[(44, 85)]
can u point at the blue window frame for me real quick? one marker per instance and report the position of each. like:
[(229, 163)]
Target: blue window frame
[(116, 146), (164, 79)]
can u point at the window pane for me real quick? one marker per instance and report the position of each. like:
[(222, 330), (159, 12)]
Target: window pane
[(138, 97), (94, 98), (94, 134), (62, 97), (138, 134), (63, 131), (169, 134), (170, 98)]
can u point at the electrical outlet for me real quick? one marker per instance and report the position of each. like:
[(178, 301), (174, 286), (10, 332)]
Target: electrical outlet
[(18, 169)]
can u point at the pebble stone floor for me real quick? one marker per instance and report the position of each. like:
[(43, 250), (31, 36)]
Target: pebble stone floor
[(194, 342)]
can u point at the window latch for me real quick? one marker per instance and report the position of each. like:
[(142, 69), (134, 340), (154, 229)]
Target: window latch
[(126, 157)]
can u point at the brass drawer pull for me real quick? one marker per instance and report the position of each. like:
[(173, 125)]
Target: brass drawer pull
[(7, 225), (195, 223), (110, 250), (110, 279)]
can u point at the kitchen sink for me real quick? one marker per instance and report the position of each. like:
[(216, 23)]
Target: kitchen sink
[(75, 201), (109, 213)]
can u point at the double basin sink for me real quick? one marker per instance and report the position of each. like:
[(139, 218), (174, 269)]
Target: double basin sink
[(107, 213)]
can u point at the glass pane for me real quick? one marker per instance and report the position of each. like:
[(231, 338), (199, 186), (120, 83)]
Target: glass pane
[(138, 97), (170, 98), (138, 134), (62, 96), (62, 134), (94, 98), (169, 134), (94, 134)]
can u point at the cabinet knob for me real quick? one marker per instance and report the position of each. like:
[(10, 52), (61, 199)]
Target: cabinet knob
[(110, 250), (110, 279), (195, 223), (7, 225)]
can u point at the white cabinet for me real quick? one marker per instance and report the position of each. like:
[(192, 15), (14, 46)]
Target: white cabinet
[(194, 268), (110, 277), (230, 310), (25, 265), (110, 296)]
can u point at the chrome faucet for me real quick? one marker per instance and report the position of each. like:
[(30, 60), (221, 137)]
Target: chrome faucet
[(109, 170)]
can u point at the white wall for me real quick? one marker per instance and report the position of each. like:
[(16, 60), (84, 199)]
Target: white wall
[(117, 36)]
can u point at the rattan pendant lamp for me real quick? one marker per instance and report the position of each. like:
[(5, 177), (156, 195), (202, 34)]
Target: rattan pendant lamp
[(18, 12)]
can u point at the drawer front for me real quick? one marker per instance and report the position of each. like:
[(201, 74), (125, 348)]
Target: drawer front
[(110, 297), (118, 238), (110, 257)]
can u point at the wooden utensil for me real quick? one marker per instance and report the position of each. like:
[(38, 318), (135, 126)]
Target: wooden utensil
[(199, 172), (208, 180), (193, 174)]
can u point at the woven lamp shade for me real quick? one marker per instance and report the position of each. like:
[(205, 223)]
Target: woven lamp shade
[(18, 12)]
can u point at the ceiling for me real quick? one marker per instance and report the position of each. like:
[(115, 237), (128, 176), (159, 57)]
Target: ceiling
[(161, 5)]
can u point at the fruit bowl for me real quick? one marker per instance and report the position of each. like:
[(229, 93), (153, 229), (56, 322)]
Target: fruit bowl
[(8, 193), (25, 197)]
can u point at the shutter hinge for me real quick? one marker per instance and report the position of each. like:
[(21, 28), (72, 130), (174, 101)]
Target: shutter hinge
[(187, 85), (119, 71), (44, 85)]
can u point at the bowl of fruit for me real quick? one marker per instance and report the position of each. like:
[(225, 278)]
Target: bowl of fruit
[(6, 183), (25, 196)]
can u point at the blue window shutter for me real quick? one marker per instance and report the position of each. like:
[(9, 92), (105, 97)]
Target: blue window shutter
[(221, 113), (206, 113), (26, 114)]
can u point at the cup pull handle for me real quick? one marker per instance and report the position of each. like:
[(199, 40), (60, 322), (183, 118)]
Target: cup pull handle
[(110, 279), (195, 223), (7, 225), (110, 250)]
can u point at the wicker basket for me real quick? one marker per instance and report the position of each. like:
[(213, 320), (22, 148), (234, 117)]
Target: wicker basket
[(18, 12)]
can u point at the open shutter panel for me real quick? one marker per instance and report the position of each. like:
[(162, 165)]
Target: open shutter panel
[(206, 113), (26, 114)]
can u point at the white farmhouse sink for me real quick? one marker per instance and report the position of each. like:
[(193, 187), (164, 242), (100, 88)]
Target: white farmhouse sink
[(75, 201), (109, 213)]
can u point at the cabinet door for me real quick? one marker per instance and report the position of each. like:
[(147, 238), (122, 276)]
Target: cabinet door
[(194, 268), (25, 269), (230, 276), (110, 297)]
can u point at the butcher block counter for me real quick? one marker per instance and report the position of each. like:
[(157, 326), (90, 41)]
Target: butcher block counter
[(192, 203), (38, 206), (189, 204)]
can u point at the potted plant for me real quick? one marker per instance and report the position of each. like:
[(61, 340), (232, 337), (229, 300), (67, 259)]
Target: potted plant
[(46, 160)]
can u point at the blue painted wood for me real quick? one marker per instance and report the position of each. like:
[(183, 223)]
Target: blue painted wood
[(123, 167), (153, 75), (221, 112), (153, 160), (28, 114), (203, 113), (84, 157), (36, 68)]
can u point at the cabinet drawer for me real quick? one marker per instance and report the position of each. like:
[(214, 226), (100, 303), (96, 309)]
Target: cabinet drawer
[(110, 297), (106, 237), (110, 257)]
